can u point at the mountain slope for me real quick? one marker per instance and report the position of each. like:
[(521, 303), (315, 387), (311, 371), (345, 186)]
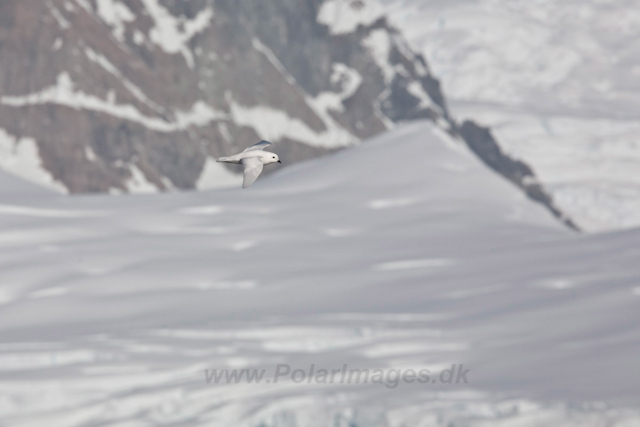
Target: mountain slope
[(405, 252), (557, 82), (141, 95)]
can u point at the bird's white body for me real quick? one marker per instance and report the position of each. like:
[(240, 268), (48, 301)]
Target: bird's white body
[(264, 156), (253, 159)]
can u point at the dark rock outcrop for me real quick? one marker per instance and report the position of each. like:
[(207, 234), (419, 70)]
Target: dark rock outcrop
[(482, 143)]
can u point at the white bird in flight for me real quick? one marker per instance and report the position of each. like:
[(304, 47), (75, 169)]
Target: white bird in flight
[(253, 159)]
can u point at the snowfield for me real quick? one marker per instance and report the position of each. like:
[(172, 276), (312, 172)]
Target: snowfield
[(557, 81), (404, 252)]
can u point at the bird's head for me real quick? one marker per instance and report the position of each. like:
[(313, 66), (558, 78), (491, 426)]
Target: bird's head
[(270, 158)]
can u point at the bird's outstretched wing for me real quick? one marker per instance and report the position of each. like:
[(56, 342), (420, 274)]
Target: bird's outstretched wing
[(252, 169), (259, 146)]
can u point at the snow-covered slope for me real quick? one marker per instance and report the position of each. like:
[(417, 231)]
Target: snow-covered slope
[(405, 252), (557, 81)]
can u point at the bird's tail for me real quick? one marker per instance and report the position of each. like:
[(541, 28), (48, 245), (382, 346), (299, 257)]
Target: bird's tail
[(223, 159)]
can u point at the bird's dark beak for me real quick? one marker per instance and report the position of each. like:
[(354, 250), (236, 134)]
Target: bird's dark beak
[(279, 161)]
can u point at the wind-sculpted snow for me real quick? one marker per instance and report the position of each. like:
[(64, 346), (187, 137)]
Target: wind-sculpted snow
[(403, 253)]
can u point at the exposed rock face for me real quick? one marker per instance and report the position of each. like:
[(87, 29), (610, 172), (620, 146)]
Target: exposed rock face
[(140, 95), (483, 144)]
